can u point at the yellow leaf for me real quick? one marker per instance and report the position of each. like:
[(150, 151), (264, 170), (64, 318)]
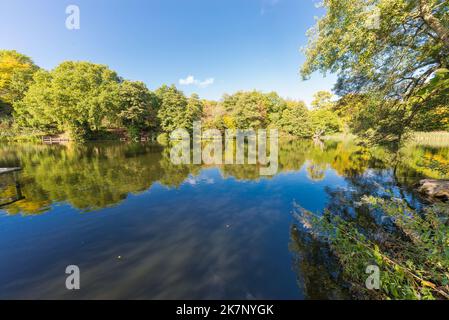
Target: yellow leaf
[(428, 284)]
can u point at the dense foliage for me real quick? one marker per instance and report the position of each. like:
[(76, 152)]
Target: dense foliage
[(175, 110), (84, 100), (138, 109), (254, 109), (392, 54), (76, 97), (16, 73), (413, 265)]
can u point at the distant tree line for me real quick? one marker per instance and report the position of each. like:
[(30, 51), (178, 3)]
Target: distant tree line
[(83, 99)]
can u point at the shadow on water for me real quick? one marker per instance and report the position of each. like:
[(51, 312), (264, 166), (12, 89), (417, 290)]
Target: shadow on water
[(152, 229)]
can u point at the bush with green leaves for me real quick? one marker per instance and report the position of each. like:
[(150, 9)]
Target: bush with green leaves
[(76, 97), (16, 75), (295, 120), (138, 108), (413, 260), (397, 58), (175, 110), (325, 121)]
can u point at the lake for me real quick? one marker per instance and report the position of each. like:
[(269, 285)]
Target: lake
[(139, 227)]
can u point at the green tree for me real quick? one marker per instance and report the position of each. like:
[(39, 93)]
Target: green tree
[(349, 105), (394, 58), (173, 112), (434, 114), (275, 108), (324, 121), (75, 97), (295, 119), (195, 108), (322, 100), (16, 75), (138, 107), (435, 120), (360, 113), (248, 109)]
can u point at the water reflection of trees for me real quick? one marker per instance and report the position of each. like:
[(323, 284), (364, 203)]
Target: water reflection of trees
[(389, 175), (87, 177), (318, 272), (12, 187), (95, 176)]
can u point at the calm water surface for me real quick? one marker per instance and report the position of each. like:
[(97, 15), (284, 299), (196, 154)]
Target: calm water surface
[(140, 227)]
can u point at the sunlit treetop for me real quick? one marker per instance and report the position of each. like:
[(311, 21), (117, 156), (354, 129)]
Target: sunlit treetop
[(391, 46), (16, 71), (395, 51)]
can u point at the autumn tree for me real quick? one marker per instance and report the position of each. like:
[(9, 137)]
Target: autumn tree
[(213, 112), (16, 75), (248, 110)]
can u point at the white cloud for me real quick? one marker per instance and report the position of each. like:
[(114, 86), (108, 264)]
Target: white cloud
[(187, 81), (207, 82), (190, 80), (193, 181)]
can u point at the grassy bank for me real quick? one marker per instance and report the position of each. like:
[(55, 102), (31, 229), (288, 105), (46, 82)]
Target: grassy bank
[(10, 134), (432, 139), (340, 136), (438, 139)]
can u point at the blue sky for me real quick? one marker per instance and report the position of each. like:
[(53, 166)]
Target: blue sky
[(225, 45)]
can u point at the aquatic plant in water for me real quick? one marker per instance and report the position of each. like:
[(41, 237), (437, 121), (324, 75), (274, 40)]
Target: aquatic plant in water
[(413, 261)]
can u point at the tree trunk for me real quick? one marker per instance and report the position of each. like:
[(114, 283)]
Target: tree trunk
[(433, 23)]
